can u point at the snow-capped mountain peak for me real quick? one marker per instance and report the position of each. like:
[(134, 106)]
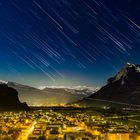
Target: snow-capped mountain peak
[(3, 82), (128, 73)]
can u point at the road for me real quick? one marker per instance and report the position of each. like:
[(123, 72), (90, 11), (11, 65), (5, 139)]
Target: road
[(24, 136), (114, 102)]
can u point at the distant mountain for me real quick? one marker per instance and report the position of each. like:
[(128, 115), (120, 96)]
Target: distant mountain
[(78, 88), (81, 90), (122, 89), (9, 98), (50, 95)]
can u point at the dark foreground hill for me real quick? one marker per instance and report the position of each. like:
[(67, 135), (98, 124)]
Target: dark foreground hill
[(121, 90), (9, 99)]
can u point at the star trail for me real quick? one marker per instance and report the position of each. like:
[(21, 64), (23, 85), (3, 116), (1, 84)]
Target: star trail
[(67, 42)]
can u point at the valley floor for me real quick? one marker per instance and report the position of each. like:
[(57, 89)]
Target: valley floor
[(70, 123)]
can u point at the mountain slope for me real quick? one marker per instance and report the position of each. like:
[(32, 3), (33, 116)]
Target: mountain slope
[(123, 89)]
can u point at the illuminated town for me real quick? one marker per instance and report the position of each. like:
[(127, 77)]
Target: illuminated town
[(69, 123), (69, 69)]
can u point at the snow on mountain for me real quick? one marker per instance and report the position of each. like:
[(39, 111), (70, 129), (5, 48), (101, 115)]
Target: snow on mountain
[(79, 87), (3, 82), (81, 90), (123, 73)]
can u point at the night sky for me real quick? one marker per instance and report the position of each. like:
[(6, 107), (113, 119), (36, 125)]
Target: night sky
[(67, 42)]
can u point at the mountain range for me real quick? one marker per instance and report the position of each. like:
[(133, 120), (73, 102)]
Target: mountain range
[(48, 96), (123, 89)]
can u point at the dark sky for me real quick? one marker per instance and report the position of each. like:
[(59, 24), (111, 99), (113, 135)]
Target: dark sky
[(67, 42)]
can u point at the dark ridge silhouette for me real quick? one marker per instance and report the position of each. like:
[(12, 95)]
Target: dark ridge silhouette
[(122, 88), (9, 99)]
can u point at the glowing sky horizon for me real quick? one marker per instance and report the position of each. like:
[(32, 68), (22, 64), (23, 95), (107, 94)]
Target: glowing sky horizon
[(67, 42)]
